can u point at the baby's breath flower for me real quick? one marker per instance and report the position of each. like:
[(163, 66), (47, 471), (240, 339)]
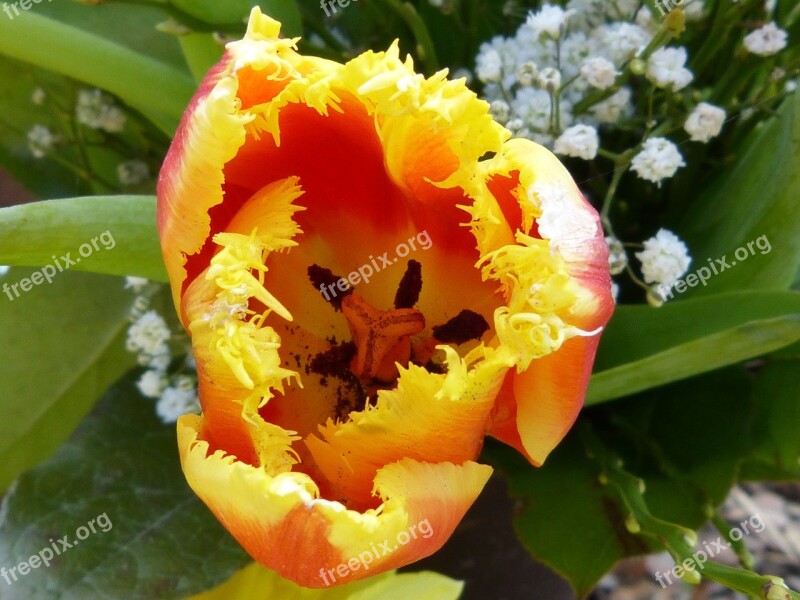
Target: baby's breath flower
[(550, 79), (614, 291), (613, 107), (532, 105), (515, 124), (621, 41), (580, 141), (766, 41), (550, 21), (704, 122), (489, 66), (152, 383), (659, 159), (96, 110), (148, 336), (40, 140), (664, 259), (132, 172), (599, 72), (665, 68), (527, 74), (500, 111), (177, 400)]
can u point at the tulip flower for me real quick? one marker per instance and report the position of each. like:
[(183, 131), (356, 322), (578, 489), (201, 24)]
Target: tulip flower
[(374, 277)]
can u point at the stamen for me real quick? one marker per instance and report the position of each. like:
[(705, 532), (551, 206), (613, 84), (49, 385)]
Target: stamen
[(379, 334), (410, 286)]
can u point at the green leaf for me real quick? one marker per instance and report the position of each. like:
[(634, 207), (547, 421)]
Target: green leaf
[(573, 522), (162, 542), (255, 581), (115, 235), (148, 85), (566, 520), (755, 198), (644, 347), (64, 345), (776, 441)]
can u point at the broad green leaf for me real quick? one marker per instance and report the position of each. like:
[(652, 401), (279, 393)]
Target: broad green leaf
[(162, 542), (573, 522), (63, 346), (775, 430), (133, 26), (146, 84), (255, 582), (756, 198), (644, 347), (115, 235)]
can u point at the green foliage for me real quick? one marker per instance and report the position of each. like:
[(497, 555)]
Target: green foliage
[(31, 234), (585, 509), (163, 542), (755, 197), (63, 346), (643, 348)]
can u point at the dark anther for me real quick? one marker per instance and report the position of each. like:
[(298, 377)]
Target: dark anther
[(325, 282), (410, 286), (465, 326)]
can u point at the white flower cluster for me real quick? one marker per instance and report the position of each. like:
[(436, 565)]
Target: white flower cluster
[(766, 41), (97, 110), (658, 159), (555, 60), (132, 172), (40, 140), (148, 338), (664, 259)]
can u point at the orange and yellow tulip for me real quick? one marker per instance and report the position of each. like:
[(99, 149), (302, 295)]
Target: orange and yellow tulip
[(343, 406)]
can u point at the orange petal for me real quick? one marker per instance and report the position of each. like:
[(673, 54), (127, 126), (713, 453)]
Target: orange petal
[(280, 521)]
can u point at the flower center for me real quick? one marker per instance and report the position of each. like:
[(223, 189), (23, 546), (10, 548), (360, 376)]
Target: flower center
[(382, 337)]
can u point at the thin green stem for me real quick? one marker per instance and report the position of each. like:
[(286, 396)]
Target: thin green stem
[(679, 541), (738, 546)]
